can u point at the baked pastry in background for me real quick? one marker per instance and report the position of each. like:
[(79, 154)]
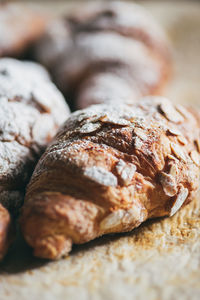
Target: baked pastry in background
[(19, 28), (31, 110), (109, 169), (106, 52)]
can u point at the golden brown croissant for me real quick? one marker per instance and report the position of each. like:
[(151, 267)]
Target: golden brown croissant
[(109, 169), (106, 52), (6, 233), (31, 110), (19, 28)]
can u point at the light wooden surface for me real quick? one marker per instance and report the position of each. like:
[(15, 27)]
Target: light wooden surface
[(159, 260)]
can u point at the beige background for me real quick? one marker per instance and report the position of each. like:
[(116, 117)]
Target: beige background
[(159, 260)]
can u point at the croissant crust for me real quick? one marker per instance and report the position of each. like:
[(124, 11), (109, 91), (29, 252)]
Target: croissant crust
[(31, 110), (106, 52), (110, 169)]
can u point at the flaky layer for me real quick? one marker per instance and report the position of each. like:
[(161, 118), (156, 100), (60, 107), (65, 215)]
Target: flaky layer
[(109, 169)]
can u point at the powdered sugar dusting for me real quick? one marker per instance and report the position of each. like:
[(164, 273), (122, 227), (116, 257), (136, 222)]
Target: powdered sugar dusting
[(125, 18), (89, 127), (31, 109), (126, 171), (113, 52), (101, 176), (30, 83), (19, 26)]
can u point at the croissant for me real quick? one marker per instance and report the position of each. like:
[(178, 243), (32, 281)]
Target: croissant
[(109, 169), (106, 52), (19, 29), (31, 110)]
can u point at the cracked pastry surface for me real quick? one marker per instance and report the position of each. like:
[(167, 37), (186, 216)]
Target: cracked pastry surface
[(105, 53), (31, 110), (19, 28), (108, 170)]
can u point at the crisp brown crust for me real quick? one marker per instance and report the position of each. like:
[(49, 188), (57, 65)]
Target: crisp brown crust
[(6, 232), (109, 169), (19, 28), (117, 41), (31, 110)]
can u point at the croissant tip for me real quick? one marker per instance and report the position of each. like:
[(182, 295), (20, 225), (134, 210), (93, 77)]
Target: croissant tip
[(53, 247)]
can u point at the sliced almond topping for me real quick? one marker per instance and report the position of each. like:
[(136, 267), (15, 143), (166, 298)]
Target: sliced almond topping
[(112, 220), (170, 112), (182, 140), (126, 171), (195, 157), (183, 111), (171, 157), (173, 170), (174, 131), (101, 176), (176, 149), (198, 144), (181, 197), (138, 143), (134, 215), (89, 127), (115, 120), (140, 133), (169, 184)]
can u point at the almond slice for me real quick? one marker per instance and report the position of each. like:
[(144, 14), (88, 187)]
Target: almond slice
[(101, 176), (178, 151), (89, 127), (182, 140), (195, 157), (126, 171), (170, 112), (181, 197), (169, 184)]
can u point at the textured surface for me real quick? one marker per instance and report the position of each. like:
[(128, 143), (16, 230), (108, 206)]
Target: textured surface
[(159, 260), (108, 170), (19, 27), (31, 110), (104, 45)]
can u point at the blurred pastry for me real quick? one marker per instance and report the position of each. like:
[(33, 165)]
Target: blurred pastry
[(105, 49), (19, 28)]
